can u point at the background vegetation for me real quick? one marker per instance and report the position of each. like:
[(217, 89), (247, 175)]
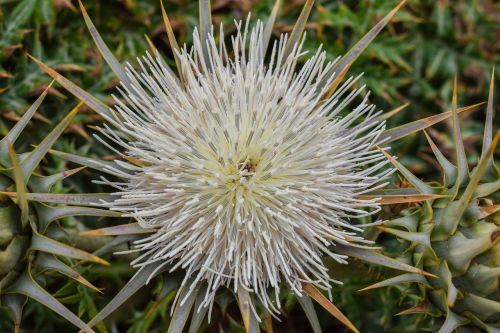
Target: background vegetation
[(412, 61)]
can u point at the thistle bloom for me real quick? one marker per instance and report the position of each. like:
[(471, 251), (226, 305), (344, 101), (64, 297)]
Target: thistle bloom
[(248, 175)]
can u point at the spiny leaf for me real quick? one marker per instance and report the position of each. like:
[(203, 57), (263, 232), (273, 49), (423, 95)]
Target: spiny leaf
[(48, 214), (129, 289), (268, 28), (249, 320), (298, 29), (396, 133), (15, 304), (22, 200), (123, 229), (315, 294), (415, 237), (182, 310), (205, 18), (49, 262), (78, 92), (308, 307), (172, 40), (25, 285), (21, 124), (462, 167), (452, 322), (103, 48), (374, 257), (158, 55), (455, 212), (397, 199), (29, 164), (44, 183), (488, 124), (387, 115), (414, 180), (90, 199), (403, 278), (199, 311), (450, 171), (343, 65), (47, 245), (421, 308), (97, 164)]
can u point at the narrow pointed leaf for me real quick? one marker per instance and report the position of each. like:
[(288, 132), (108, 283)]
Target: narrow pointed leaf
[(129, 289), (123, 229), (205, 13), (25, 285), (68, 199), (455, 212), (462, 168), (47, 245), (298, 29), (488, 124), (49, 214), (403, 278), (21, 124), (15, 304), (249, 320), (414, 180), (268, 28), (343, 65), (49, 262), (182, 310), (399, 132), (397, 199), (103, 48), (97, 164), (415, 237), (29, 164), (22, 200), (450, 171), (374, 257), (78, 92), (45, 183), (452, 322), (172, 40), (422, 308), (387, 115), (199, 312), (308, 307), (315, 294)]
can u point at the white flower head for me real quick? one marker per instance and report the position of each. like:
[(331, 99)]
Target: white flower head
[(247, 174)]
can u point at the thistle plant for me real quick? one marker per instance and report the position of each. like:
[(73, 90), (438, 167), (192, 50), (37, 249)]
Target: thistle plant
[(456, 238), (28, 211), (243, 169)]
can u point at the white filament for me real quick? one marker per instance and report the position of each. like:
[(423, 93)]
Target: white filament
[(247, 175)]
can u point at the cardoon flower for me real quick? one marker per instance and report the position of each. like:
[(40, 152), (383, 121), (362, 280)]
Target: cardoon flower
[(247, 166), (247, 174)]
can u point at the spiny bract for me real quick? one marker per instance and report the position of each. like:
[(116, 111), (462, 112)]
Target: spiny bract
[(27, 247), (456, 238)]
